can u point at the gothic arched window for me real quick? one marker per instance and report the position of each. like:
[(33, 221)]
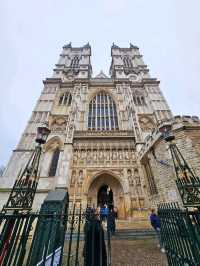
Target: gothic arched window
[(54, 162), (65, 99), (127, 62), (75, 62), (102, 113)]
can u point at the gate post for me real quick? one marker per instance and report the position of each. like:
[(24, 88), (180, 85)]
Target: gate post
[(49, 236)]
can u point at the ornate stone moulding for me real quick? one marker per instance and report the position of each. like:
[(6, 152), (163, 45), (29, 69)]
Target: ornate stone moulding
[(104, 134)]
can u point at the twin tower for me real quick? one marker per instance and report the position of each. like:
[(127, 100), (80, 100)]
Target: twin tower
[(98, 128), (127, 63)]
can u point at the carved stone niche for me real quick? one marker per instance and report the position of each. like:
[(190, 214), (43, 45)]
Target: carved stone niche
[(146, 123), (130, 177), (73, 178), (58, 124)]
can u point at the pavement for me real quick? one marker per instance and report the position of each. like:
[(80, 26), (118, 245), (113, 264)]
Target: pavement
[(137, 253)]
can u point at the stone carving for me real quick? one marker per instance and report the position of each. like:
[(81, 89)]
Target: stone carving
[(137, 177), (130, 177), (103, 133), (94, 156), (80, 178), (58, 124), (137, 181), (73, 178), (146, 123)]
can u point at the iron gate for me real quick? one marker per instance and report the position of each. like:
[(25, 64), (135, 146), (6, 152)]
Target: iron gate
[(58, 235), (180, 234)]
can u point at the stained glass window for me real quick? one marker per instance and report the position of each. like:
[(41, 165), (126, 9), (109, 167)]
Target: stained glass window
[(102, 113)]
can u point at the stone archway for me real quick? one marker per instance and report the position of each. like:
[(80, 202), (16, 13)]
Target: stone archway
[(113, 183)]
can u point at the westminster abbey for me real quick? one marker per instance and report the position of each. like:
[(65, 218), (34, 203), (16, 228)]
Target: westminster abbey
[(104, 135)]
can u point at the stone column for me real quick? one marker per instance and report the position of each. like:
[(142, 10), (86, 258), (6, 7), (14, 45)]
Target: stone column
[(63, 178)]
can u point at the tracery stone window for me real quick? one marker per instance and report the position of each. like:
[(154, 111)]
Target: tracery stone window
[(65, 99), (54, 162), (139, 100), (75, 62), (127, 62), (102, 113)]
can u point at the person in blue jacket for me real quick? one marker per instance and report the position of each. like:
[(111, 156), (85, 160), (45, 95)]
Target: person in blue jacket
[(104, 212), (155, 223)]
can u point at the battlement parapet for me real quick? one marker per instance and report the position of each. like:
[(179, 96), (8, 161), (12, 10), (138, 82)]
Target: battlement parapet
[(177, 122)]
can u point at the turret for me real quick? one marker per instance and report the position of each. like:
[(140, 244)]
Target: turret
[(74, 62), (127, 63)]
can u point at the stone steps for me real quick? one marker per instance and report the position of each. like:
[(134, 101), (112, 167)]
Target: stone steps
[(134, 234), (129, 234)]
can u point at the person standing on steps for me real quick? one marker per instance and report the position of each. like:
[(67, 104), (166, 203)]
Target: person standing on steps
[(155, 223), (94, 250), (111, 221)]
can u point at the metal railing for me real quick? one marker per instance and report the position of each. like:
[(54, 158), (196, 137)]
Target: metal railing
[(180, 234), (88, 239), (72, 238)]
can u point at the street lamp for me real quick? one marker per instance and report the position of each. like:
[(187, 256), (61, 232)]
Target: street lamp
[(24, 189), (21, 198), (42, 134), (187, 183)]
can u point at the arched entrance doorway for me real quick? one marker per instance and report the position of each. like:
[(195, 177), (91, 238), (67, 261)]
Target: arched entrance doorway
[(106, 188), (105, 196)]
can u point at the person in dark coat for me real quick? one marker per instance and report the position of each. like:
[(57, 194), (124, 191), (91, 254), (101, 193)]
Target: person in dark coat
[(111, 221), (155, 223), (94, 248)]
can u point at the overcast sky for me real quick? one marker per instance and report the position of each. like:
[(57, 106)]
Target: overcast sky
[(33, 33)]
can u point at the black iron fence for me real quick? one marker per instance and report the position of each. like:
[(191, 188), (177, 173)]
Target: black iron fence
[(31, 239), (180, 234), (88, 239), (70, 237)]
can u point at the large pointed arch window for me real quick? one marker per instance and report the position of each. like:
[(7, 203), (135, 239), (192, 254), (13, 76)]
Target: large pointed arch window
[(102, 113)]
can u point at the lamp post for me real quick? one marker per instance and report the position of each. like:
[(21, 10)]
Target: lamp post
[(21, 198), (187, 183), (24, 189)]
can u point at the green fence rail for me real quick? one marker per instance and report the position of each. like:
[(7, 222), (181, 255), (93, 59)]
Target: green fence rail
[(180, 234)]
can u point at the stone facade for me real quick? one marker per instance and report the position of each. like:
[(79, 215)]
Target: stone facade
[(103, 129)]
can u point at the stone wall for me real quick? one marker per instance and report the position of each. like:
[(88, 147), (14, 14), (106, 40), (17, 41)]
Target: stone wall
[(156, 151)]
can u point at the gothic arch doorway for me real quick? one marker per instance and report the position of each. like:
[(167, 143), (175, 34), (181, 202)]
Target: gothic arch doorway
[(105, 196), (106, 187)]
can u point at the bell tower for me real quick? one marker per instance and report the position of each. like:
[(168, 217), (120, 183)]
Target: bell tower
[(74, 63), (127, 63)]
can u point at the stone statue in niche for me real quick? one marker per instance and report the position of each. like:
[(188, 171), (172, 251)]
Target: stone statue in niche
[(121, 154), (79, 155), (127, 155), (100, 154), (114, 155), (95, 155), (82, 154), (130, 178), (88, 155), (80, 178), (137, 177), (107, 155), (133, 155), (75, 156), (70, 133), (73, 178)]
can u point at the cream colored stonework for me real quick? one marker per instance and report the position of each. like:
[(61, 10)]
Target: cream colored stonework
[(92, 158)]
